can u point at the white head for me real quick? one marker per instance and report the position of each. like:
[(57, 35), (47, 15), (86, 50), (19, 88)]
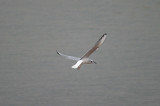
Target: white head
[(92, 61)]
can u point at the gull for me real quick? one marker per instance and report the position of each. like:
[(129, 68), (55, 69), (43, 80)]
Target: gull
[(85, 59)]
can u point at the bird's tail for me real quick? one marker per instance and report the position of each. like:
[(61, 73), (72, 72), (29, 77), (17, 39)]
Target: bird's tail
[(77, 65)]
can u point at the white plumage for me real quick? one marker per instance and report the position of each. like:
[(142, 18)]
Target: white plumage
[(85, 59)]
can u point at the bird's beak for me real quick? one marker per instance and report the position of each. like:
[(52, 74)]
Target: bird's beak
[(94, 62)]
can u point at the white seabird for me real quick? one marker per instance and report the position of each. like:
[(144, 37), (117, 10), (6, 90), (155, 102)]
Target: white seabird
[(85, 59)]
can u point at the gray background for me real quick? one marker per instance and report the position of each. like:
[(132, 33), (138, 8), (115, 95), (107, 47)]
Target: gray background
[(128, 69)]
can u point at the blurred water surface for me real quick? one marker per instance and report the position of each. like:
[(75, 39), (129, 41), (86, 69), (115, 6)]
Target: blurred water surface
[(128, 69)]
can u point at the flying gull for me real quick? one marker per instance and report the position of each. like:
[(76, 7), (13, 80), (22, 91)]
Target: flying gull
[(85, 59)]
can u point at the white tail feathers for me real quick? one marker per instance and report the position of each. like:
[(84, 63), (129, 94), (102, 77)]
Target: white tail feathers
[(78, 64)]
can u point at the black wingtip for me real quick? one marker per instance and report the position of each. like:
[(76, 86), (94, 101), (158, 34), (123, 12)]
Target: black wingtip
[(104, 34), (58, 53)]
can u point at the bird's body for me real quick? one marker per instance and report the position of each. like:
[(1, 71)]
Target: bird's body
[(85, 59)]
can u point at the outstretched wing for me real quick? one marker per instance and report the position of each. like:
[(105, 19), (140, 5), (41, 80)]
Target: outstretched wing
[(69, 57), (96, 46)]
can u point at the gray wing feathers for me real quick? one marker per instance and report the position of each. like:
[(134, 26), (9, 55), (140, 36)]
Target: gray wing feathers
[(96, 46), (69, 57)]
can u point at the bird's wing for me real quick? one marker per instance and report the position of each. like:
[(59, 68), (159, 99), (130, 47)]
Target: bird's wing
[(96, 46), (69, 57)]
